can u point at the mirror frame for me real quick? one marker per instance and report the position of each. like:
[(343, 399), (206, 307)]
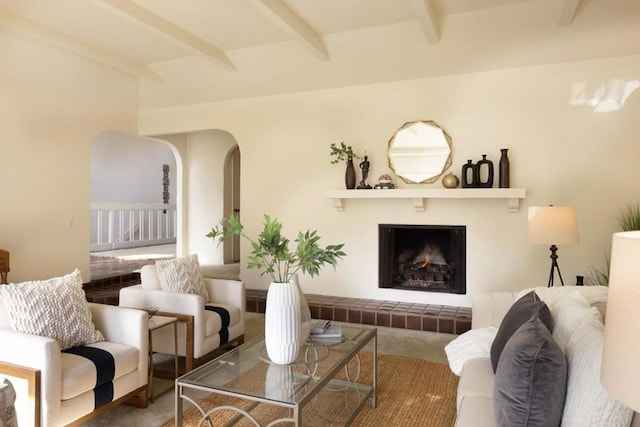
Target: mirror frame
[(446, 165)]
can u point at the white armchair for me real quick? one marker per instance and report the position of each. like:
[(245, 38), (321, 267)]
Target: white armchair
[(68, 392), (205, 328)]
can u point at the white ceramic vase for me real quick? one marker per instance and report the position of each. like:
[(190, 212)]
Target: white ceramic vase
[(282, 322), (305, 313)]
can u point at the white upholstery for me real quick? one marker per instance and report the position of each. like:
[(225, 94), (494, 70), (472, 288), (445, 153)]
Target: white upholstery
[(229, 294), (475, 387), (66, 390), (476, 380), (478, 412)]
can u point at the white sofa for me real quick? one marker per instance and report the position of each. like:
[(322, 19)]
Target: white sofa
[(67, 395), (475, 406), (210, 334)]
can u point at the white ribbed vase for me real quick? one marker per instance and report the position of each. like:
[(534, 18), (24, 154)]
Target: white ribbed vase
[(305, 313), (282, 322)]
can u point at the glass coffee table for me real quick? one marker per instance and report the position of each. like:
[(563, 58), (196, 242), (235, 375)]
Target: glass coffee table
[(328, 384)]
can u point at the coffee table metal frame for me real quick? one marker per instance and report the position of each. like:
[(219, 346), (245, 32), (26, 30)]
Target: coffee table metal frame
[(311, 357)]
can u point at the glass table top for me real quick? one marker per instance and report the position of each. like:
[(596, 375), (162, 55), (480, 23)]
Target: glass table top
[(247, 370)]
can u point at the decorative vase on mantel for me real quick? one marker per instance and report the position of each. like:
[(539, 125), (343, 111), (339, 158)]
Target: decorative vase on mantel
[(287, 321), (350, 175), (503, 166)]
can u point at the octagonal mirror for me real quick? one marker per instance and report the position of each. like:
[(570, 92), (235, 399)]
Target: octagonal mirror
[(419, 152)]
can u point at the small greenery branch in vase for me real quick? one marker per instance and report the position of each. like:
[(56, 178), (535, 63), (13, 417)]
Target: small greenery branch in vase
[(342, 153), (271, 253)]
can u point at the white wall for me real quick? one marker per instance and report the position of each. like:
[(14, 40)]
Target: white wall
[(562, 154), (52, 107), (206, 154), (128, 169)]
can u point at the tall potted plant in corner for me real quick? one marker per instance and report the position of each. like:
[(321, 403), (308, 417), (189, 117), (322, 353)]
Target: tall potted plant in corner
[(271, 254), (344, 153)]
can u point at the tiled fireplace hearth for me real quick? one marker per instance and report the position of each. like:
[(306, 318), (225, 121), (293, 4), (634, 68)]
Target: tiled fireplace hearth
[(420, 317), (404, 315)]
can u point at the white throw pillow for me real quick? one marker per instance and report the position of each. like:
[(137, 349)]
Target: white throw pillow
[(182, 275), (568, 312), (56, 308), (587, 403), (596, 295), (472, 344)]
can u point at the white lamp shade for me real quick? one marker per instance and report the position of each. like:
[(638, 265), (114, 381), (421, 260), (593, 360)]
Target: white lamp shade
[(620, 374), (553, 225)]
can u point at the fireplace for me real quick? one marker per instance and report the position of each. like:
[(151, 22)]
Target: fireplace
[(423, 257)]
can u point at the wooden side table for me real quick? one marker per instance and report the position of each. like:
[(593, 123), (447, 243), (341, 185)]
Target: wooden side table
[(157, 322)]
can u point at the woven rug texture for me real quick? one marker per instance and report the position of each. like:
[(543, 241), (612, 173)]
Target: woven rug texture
[(411, 392)]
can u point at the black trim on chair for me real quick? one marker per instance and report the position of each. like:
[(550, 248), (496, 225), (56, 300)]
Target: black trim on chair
[(105, 372), (225, 316)]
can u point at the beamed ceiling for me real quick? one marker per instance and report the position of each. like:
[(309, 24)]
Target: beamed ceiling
[(192, 51)]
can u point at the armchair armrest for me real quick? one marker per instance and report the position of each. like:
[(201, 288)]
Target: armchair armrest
[(121, 325), (28, 396), (169, 302), (125, 326), (36, 353), (227, 292)]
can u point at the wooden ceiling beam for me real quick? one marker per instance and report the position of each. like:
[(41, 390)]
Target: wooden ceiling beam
[(169, 29), (48, 35), (568, 11), (424, 12), (292, 24)]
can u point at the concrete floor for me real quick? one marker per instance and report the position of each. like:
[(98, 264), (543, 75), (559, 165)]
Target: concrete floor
[(419, 344)]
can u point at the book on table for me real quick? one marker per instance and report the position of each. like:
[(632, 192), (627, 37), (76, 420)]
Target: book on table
[(325, 329)]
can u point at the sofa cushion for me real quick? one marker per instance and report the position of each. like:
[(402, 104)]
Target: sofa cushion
[(568, 313), (149, 278), (596, 295), (182, 275), (518, 314), (80, 374), (531, 379), (587, 402), (56, 308)]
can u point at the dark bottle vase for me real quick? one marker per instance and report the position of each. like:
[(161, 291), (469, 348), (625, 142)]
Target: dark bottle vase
[(350, 175), (504, 169), (480, 167), (469, 175)]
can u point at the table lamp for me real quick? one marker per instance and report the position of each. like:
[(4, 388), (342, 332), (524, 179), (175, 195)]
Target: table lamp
[(553, 225), (620, 372)]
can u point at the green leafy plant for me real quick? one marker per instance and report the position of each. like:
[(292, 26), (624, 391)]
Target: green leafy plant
[(628, 220), (600, 276), (342, 153), (271, 253)]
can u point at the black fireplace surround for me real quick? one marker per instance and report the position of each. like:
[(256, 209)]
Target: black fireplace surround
[(428, 258)]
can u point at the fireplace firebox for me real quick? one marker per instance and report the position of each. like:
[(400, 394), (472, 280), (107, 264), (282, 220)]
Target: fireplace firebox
[(423, 257)]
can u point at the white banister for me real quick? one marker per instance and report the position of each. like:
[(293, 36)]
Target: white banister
[(126, 225)]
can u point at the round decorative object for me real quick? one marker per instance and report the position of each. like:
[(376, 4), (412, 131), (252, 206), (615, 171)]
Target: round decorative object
[(450, 180), (282, 322)]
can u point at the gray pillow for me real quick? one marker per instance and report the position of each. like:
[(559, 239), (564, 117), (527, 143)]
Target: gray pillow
[(531, 379), (520, 312)]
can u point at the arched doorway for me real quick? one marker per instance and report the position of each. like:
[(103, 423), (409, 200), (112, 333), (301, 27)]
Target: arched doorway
[(232, 202)]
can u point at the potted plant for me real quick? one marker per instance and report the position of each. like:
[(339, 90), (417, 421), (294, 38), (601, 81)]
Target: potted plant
[(628, 220), (344, 153), (272, 255)]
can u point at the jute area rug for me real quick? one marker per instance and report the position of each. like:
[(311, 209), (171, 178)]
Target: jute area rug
[(411, 392)]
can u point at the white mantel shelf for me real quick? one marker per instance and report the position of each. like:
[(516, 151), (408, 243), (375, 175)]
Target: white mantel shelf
[(513, 195)]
